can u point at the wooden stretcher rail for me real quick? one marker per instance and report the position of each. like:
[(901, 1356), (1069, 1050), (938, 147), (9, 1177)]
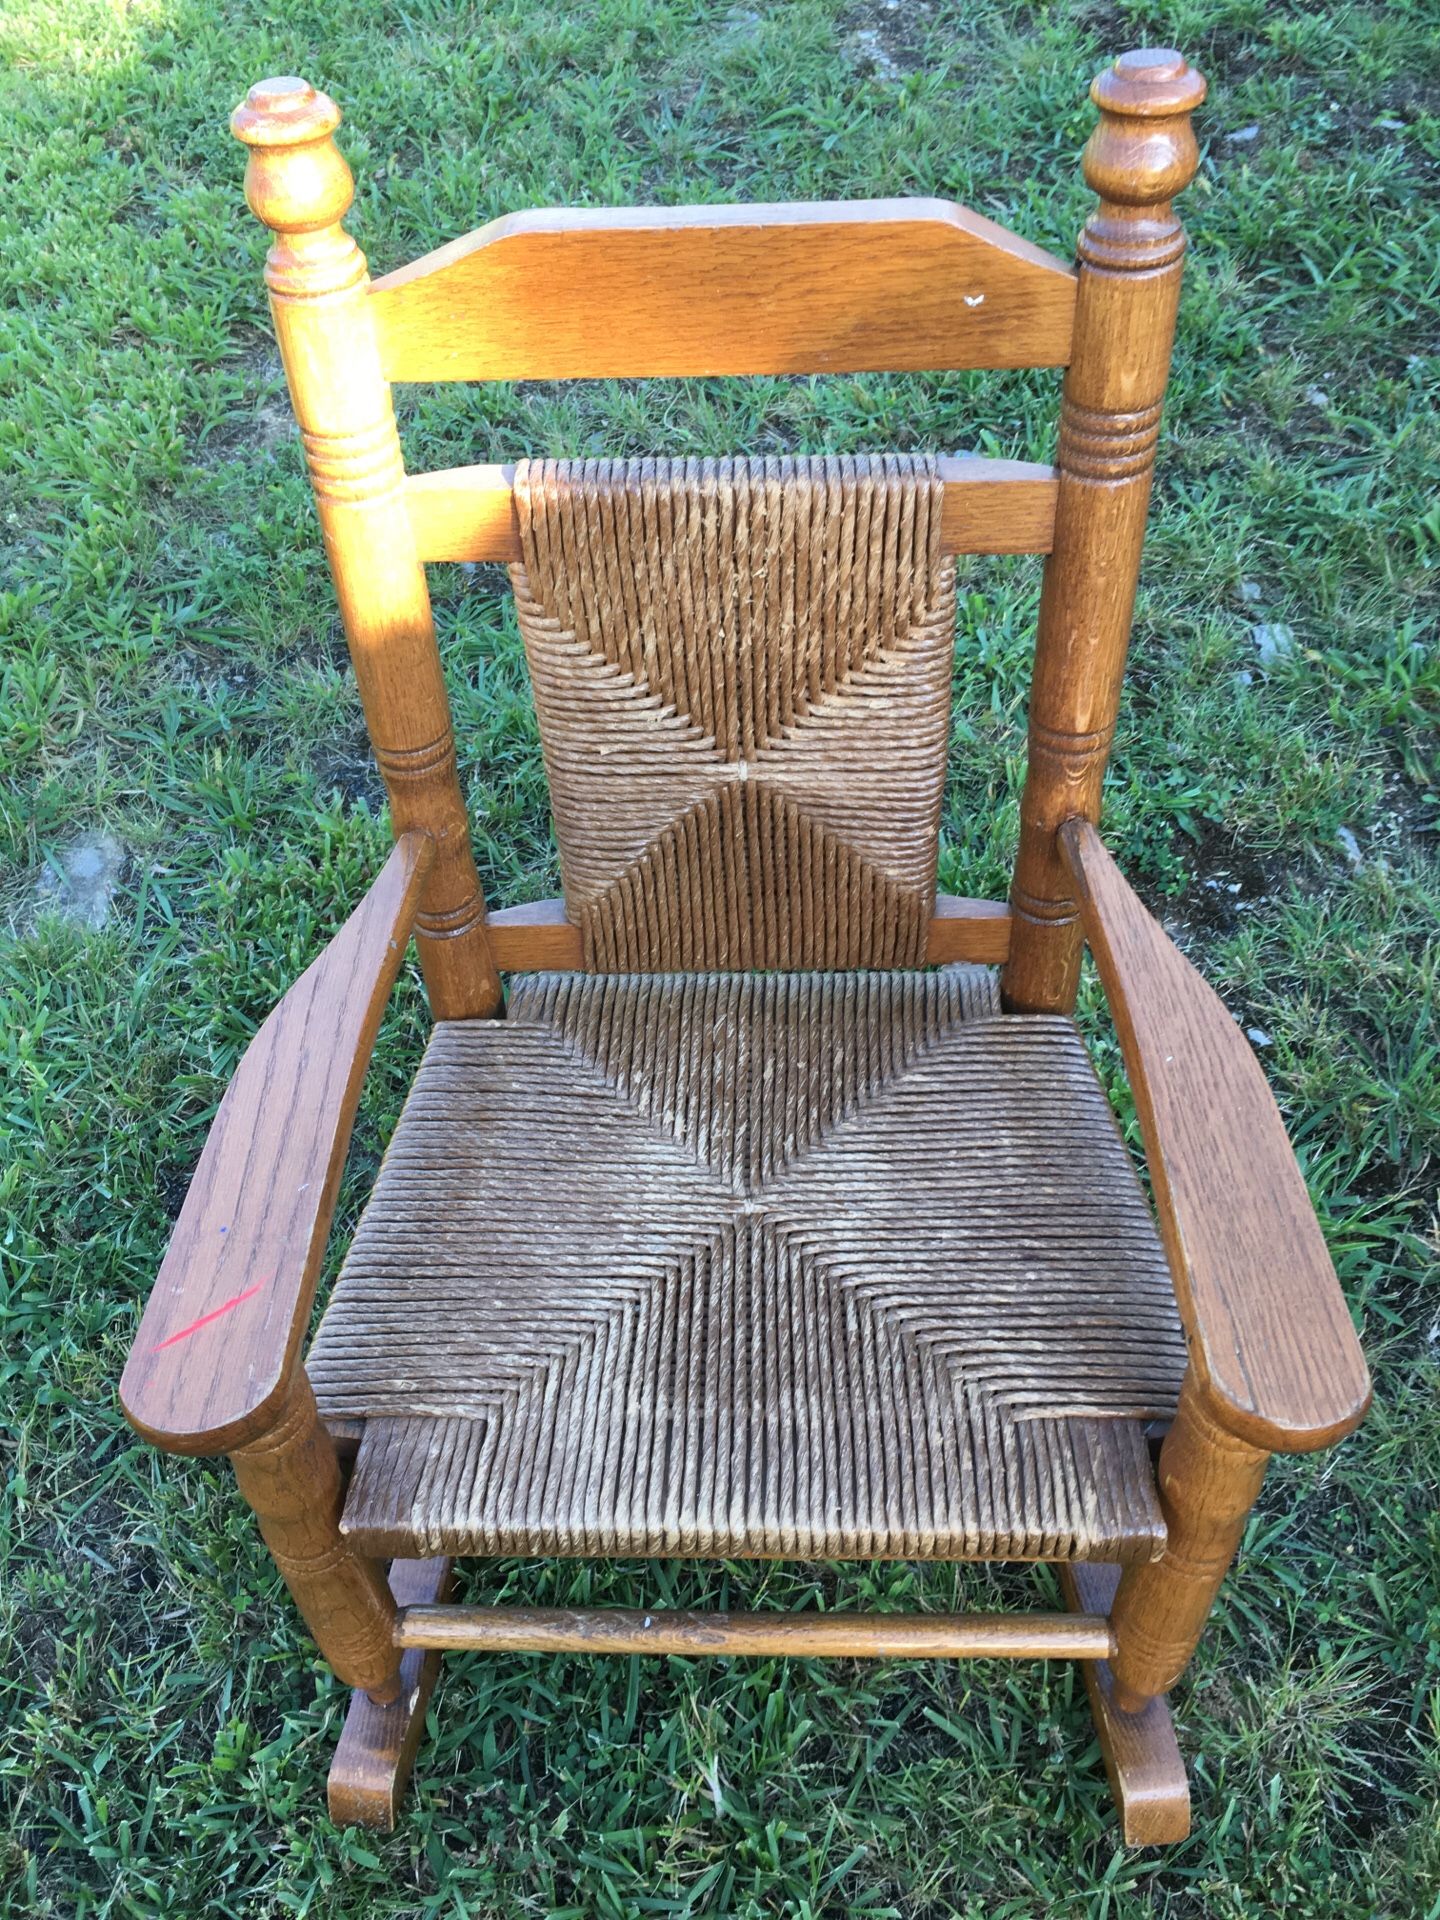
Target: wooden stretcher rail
[(538, 937), (865, 1636), (838, 287), (991, 506)]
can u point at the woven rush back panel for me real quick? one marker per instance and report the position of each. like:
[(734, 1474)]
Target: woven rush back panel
[(742, 677)]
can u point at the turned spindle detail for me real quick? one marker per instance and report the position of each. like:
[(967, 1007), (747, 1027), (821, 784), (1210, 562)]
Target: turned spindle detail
[(1209, 1481), (291, 1478), (1129, 256), (298, 184), (1095, 445)]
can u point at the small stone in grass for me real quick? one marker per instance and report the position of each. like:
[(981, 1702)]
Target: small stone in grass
[(1350, 847), (1274, 643), (1251, 592), (869, 47), (1258, 1037), (83, 888), (1242, 136)]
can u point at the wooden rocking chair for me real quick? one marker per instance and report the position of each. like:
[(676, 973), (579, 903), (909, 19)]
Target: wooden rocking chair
[(772, 1219)]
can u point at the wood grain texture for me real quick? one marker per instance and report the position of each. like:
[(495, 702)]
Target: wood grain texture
[(537, 937), (220, 1337), (964, 929), (742, 677), (754, 1265), (1140, 1751), (378, 1743), (290, 1476), (1209, 1480), (838, 287), (989, 506), (1270, 1334), (1140, 155), (298, 184), (855, 1636)]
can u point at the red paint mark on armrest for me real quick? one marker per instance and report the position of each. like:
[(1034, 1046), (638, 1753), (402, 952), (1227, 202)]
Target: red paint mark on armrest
[(226, 1306)]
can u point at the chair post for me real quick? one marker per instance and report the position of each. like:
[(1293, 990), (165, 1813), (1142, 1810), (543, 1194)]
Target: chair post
[(291, 1478), (1209, 1481), (1139, 157), (299, 185)]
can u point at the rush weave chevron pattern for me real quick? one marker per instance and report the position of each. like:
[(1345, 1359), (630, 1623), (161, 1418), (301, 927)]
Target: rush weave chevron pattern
[(742, 677), (830, 1265)]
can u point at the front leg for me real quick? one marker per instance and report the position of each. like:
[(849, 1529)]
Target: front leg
[(291, 1478), (1208, 1484)]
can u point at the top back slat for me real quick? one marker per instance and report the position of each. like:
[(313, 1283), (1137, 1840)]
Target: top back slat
[(859, 286)]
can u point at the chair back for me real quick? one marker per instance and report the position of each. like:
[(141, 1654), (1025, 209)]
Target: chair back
[(741, 667)]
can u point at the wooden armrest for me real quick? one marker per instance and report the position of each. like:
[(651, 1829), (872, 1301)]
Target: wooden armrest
[(1269, 1332), (222, 1331)]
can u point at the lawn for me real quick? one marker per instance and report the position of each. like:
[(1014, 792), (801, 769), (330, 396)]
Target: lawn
[(174, 678)]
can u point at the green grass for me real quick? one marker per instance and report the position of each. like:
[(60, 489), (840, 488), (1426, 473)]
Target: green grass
[(174, 674)]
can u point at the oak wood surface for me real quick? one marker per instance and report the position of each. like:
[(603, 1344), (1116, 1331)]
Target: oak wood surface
[(864, 1636), (537, 937), (1140, 1751), (1208, 1482), (221, 1334), (1140, 155), (991, 506), (297, 183), (378, 1743), (290, 1475), (1270, 1334), (965, 929), (838, 287)]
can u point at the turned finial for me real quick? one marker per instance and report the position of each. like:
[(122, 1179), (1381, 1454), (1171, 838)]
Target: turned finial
[(1143, 151), (296, 180)]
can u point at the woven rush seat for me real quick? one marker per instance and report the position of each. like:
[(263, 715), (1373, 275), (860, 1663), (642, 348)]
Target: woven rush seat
[(755, 1264)]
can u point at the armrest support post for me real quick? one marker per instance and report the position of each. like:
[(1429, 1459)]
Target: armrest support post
[(291, 1478), (1209, 1481)]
